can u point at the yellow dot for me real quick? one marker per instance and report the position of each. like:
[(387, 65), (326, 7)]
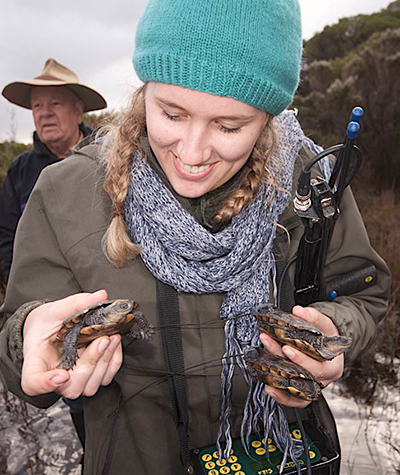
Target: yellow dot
[(210, 465), (232, 459), (216, 454), (256, 444), (312, 454), (225, 470), (369, 279), (221, 462), (236, 466), (261, 451), (271, 448), (240, 473), (296, 434), (206, 457), (213, 472)]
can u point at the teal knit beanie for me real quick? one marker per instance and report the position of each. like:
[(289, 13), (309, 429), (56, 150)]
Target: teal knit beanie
[(246, 49)]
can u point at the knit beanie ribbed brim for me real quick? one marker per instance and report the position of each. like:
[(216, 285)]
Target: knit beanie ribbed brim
[(249, 50)]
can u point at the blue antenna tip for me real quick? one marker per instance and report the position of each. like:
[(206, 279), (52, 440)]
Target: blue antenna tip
[(332, 295), (356, 114), (352, 130)]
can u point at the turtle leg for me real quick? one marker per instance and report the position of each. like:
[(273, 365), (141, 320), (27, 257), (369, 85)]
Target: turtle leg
[(145, 332), (69, 353)]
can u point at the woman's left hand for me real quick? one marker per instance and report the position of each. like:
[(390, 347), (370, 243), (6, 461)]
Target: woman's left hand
[(325, 371)]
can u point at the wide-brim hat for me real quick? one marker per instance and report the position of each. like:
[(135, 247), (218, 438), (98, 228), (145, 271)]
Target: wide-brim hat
[(54, 74)]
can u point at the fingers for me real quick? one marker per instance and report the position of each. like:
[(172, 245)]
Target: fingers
[(312, 315), (270, 344), (285, 399), (106, 368), (44, 322), (40, 382), (41, 354), (96, 366)]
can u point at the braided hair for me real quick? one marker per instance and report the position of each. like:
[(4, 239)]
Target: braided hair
[(122, 140)]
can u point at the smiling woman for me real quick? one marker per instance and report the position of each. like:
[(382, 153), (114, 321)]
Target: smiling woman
[(180, 205), (198, 148)]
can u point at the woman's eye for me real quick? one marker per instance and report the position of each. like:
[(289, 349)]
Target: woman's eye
[(170, 117), (227, 130)]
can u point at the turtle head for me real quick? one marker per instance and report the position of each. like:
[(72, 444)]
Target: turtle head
[(117, 308)]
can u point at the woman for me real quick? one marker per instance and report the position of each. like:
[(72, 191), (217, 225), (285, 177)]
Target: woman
[(185, 190)]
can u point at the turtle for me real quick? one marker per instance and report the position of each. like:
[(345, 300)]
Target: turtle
[(104, 318), (291, 330), (281, 373)]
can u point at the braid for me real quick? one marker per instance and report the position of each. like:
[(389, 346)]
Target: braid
[(254, 172), (121, 141)]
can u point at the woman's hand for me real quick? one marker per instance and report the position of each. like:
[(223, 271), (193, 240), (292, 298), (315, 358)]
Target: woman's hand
[(325, 372), (96, 366)]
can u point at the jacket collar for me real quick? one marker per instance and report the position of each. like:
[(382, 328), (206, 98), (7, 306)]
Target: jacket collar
[(41, 149)]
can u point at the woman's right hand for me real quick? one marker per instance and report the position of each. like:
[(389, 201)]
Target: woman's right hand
[(97, 365)]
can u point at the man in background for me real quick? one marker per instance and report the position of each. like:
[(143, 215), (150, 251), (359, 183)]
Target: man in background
[(58, 102)]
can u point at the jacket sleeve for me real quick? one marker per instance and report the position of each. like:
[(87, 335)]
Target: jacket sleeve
[(355, 315), (10, 213), (11, 357), (40, 271)]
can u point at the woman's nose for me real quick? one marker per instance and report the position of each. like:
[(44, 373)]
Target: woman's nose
[(194, 147)]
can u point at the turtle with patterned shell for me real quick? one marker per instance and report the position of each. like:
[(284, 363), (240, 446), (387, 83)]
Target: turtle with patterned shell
[(109, 317)]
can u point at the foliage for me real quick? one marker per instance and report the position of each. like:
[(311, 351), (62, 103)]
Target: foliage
[(368, 77), (9, 151), (96, 121), (344, 37)]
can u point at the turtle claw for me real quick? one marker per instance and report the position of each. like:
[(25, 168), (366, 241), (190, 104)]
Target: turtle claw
[(68, 360)]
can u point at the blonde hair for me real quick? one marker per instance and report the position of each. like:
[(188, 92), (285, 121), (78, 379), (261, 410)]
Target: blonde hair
[(122, 140)]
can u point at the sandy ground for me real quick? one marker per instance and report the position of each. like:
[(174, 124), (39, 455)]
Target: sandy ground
[(35, 442), (369, 437)]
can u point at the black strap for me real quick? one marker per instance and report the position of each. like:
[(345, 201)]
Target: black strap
[(285, 288), (169, 322)]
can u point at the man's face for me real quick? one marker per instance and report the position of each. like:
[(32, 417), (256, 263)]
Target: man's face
[(57, 113)]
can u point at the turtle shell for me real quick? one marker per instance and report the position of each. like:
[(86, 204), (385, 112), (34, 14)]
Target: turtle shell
[(308, 338), (281, 373), (104, 318)]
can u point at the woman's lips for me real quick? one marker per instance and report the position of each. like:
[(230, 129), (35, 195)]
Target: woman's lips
[(192, 172)]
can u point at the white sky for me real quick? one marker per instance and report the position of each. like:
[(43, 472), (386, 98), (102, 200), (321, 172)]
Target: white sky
[(95, 39)]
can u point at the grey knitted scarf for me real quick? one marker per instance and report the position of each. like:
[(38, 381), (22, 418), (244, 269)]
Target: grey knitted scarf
[(237, 261)]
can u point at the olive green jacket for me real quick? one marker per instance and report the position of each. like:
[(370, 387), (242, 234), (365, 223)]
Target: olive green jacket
[(129, 424)]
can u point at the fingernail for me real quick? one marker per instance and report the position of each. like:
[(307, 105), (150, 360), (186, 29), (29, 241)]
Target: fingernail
[(103, 345), (58, 379), (265, 344), (97, 293), (288, 352), (269, 391)]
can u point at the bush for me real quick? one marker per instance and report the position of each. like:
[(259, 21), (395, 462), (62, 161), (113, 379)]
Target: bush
[(369, 78), (9, 151)]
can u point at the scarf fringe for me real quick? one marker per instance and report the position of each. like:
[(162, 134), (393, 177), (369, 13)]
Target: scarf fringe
[(260, 411)]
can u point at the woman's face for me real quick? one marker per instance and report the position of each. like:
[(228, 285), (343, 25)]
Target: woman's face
[(200, 140)]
